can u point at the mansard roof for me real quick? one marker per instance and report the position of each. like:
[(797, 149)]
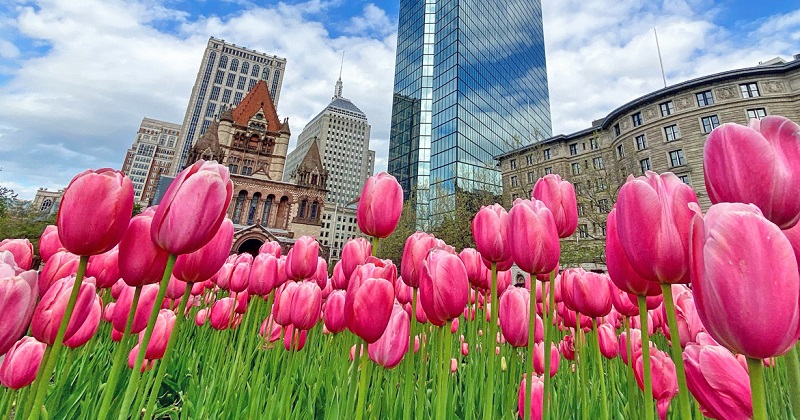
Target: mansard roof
[(258, 98)]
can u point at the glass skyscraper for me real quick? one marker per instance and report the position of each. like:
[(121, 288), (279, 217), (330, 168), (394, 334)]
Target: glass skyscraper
[(470, 84)]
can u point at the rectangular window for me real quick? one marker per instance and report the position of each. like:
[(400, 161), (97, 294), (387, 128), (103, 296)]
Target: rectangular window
[(573, 149), (514, 181), (594, 144), (641, 142), (237, 98), (645, 164), (602, 205), (598, 163), (676, 158), (231, 79), (226, 96), (546, 153), (672, 132), (704, 98), (710, 123), (218, 78), (667, 108), (756, 113), (548, 171), (529, 159), (749, 90), (583, 231), (513, 164), (576, 168), (531, 176), (637, 119), (215, 93), (581, 210), (617, 131), (685, 179), (600, 185), (241, 83), (620, 151)]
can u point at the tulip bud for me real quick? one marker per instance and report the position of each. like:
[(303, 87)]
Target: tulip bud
[(718, 381), (104, 268), (368, 307), (282, 308), (559, 196), (200, 317), (18, 296), (294, 339), (94, 211), (609, 346), (61, 264), (664, 379), (515, 316), (537, 396), (619, 267), (301, 262), (239, 277), (389, 350), (415, 250), (49, 312), (221, 313), (538, 359), (22, 249), (202, 264), (321, 274), (140, 260), (49, 243), (20, 365), (444, 288), (490, 231), (333, 314), (306, 305), (263, 275), (591, 294), (354, 253), (380, 205)]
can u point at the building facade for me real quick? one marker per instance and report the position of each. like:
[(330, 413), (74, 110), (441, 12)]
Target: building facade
[(153, 153), (470, 84), (341, 132), (252, 142), (46, 202), (663, 131), (227, 72)]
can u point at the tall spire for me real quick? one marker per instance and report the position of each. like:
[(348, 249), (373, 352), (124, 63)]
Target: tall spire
[(337, 92)]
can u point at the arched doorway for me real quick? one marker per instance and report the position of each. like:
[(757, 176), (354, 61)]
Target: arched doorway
[(250, 246)]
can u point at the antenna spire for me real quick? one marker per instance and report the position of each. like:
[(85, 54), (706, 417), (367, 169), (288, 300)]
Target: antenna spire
[(337, 92)]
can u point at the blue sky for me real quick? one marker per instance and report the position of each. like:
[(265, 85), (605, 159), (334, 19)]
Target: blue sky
[(77, 77)]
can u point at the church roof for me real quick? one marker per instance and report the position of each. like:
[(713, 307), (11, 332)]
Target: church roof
[(209, 140), (258, 98), (312, 159)]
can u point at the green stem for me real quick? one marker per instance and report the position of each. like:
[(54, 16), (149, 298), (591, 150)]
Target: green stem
[(793, 372), (756, 369), (133, 382), (10, 394), (162, 368), (531, 345), (362, 384), (602, 379), (677, 352), (631, 379), (351, 389), (63, 376), (489, 341), (43, 380), (119, 358), (583, 364), (648, 384), (546, 324), (408, 380)]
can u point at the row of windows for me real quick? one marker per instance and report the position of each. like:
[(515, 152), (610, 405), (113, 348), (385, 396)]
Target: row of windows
[(676, 158)]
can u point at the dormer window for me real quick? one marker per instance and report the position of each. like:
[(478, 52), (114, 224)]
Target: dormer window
[(260, 116)]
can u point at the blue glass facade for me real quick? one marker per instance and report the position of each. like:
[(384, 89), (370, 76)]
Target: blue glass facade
[(470, 84)]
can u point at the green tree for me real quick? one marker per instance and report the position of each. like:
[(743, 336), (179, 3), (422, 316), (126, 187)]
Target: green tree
[(19, 221)]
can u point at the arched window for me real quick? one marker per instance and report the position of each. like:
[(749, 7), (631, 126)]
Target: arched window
[(256, 69), (314, 211), (302, 213), (212, 57), (237, 210), (267, 208), (251, 215), (245, 67), (46, 204), (235, 64), (223, 61), (265, 74)]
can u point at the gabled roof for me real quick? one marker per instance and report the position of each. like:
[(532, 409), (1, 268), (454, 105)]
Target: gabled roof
[(258, 98), (312, 159)]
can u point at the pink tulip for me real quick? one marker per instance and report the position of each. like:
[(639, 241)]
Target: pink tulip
[(537, 397), (108, 311), (403, 292), (664, 379), (263, 275), (20, 365), (242, 300), (223, 277), (193, 208), (503, 281), (294, 339), (282, 308), (301, 262), (759, 164), (221, 313), (568, 319), (354, 253), (380, 205), (609, 346), (321, 274), (476, 271), (718, 381), (333, 314), (515, 316), (147, 299), (653, 223), (203, 263), (490, 229), (689, 324), (415, 250), (636, 344), (533, 237), (745, 281), (18, 295), (240, 277), (559, 196), (161, 332), (49, 243), (270, 331), (104, 268), (568, 277), (443, 286), (464, 349), (454, 326), (49, 312), (338, 279), (619, 267), (389, 350), (591, 294), (623, 302), (614, 318), (567, 347), (61, 264), (140, 260), (793, 235), (453, 365), (368, 307), (146, 364), (538, 359), (306, 305), (22, 249), (200, 317), (273, 248), (89, 327), (420, 314), (375, 268), (175, 289), (94, 211), (353, 351)]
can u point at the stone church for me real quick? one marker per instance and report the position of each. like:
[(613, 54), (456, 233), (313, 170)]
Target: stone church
[(252, 141)]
